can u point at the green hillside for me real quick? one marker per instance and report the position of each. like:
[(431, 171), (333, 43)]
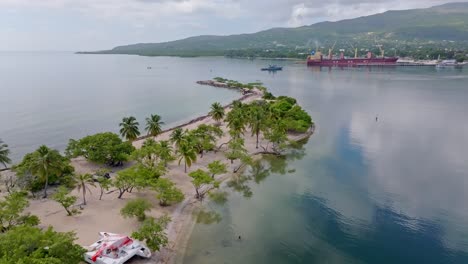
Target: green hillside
[(444, 26)]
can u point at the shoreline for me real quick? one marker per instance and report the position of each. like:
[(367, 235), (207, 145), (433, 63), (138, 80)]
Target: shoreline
[(105, 215)]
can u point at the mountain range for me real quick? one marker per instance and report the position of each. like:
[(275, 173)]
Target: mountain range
[(444, 26)]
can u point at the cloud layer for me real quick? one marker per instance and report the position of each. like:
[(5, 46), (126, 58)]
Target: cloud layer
[(32, 24)]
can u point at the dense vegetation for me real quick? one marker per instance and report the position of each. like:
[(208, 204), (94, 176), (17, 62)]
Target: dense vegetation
[(21, 241), (421, 33), (42, 167), (105, 148)]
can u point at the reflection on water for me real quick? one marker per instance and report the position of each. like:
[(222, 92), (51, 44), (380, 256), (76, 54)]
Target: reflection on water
[(361, 190)]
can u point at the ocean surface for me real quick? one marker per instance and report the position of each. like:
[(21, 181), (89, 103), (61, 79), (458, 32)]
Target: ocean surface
[(360, 190)]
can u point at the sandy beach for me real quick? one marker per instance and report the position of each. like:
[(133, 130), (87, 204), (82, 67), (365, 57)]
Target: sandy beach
[(104, 215)]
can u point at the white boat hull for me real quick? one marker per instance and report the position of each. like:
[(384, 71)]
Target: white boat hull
[(115, 249)]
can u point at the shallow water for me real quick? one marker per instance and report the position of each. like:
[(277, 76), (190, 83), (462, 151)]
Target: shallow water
[(359, 191)]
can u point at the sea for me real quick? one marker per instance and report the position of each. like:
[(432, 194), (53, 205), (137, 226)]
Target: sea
[(384, 178)]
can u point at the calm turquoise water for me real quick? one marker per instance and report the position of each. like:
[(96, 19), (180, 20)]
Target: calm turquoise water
[(359, 191)]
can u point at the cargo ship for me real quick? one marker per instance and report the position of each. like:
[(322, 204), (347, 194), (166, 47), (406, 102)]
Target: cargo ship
[(317, 59)]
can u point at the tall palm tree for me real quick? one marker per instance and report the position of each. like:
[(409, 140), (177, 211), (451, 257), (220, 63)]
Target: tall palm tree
[(187, 153), (217, 112), (46, 161), (257, 120), (153, 125), (4, 152), (129, 128), (177, 136), (82, 184)]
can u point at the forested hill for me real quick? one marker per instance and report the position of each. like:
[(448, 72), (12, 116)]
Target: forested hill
[(404, 31)]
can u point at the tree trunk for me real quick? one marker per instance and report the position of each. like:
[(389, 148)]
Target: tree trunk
[(84, 193), (232, 161), (45, 187), (257, 141), (185, 166), (198, 194), (68, 211), (121, 192), (100, 196)]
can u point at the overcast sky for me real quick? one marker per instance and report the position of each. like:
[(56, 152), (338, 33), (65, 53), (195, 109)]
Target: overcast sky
[(102, 24)]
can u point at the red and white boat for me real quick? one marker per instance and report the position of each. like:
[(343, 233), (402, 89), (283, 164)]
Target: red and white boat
[(115, 249)]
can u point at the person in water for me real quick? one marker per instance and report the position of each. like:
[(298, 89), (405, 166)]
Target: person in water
[(376, 118)]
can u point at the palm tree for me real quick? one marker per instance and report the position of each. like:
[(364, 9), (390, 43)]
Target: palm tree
[(4, 152), (164, 151), (257, 120), (217, 112), (153, 125), (46, 161), (236, 123), (187, 153), (177, 136), (129, 128), (82, 184)]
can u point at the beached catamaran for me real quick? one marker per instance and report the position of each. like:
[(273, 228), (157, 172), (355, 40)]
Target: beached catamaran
[(115, 249)]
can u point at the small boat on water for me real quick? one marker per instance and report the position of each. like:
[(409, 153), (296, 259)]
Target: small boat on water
[(449, 64), (272, 68), (115, 249)]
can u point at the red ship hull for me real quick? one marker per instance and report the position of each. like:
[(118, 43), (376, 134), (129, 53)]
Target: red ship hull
[(352, 62)]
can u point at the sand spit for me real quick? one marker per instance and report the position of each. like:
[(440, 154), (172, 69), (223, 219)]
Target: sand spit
[(104, 215)]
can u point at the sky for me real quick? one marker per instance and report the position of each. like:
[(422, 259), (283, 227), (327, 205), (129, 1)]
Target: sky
[(80, 25)]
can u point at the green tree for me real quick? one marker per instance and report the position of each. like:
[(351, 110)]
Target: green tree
[(82, 184), (257, 120), (202, 182), (42, 166), (146, 155), (46, 161), (164, 152), (204, 137), (129, 128), (137, 176), (177, 136), (217, 167), (27, 244), (63, 198), (187, 153), (4, 153), (104, 148), (236, 121), (152, 232), (217, 112), (276, 135), (153, 125), (136, 208), (11, 212), (236, 149), (104, 185), (168, 193)]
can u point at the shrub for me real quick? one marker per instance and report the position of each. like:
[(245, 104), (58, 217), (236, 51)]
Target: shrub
[(136, 208)]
